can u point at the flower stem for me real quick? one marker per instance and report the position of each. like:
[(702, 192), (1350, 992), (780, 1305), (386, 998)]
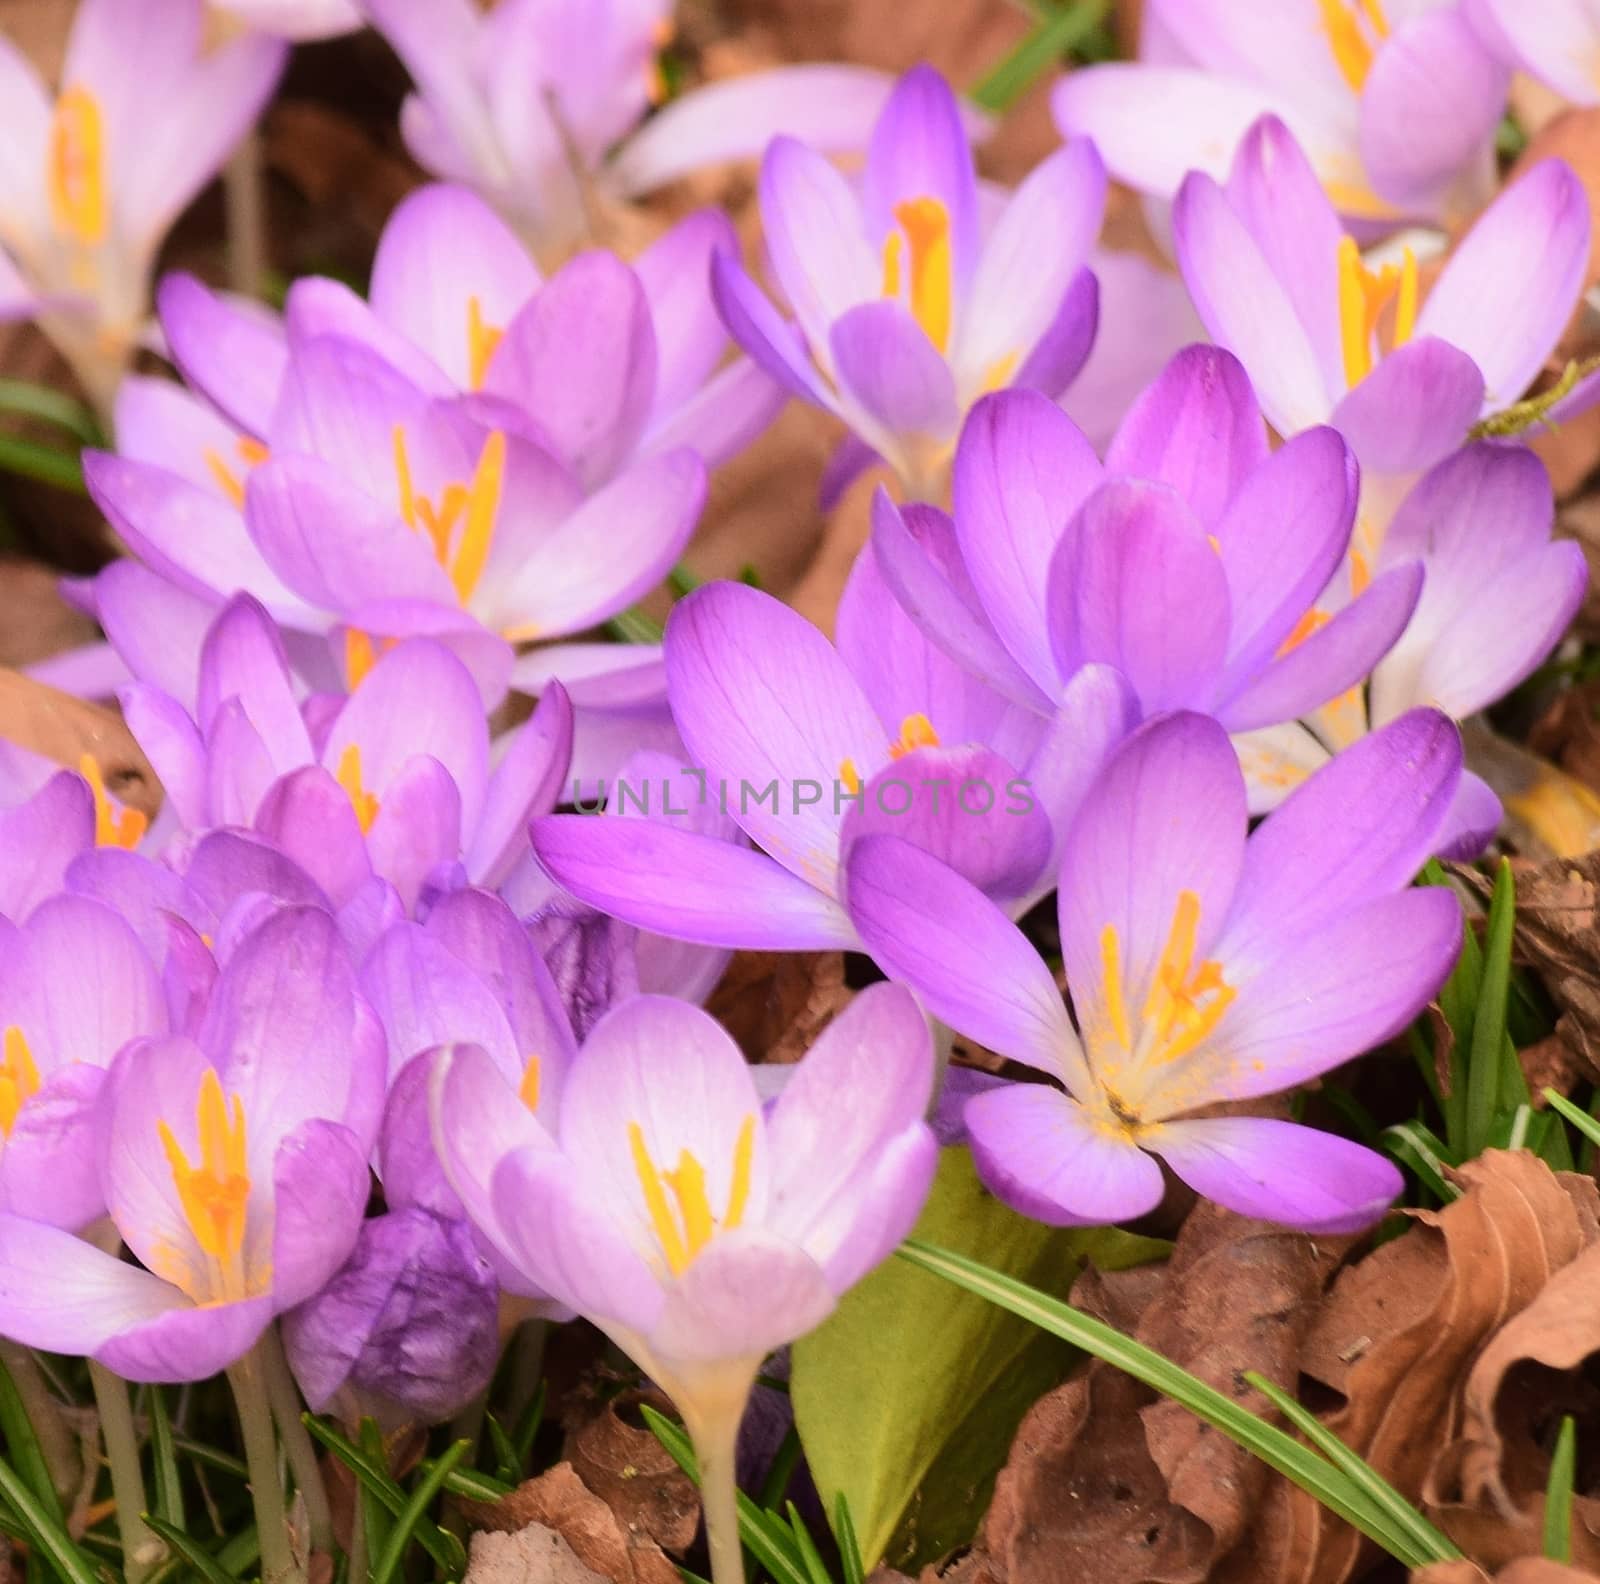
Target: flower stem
[(245, 193), (712, 1404), (140, 1548), (249, 1381), (57, 1444), (285, 1398)]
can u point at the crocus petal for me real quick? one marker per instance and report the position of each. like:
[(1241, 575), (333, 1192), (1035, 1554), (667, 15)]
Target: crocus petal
[(418, 828), (307, 815), (1278, 1171), (1245, 307), (774, 345), (1197, 428), (1059, 355), (1536, 230), (1021, 470), (1018, 287), (39, 838), (23, 163), (232, 353), (1360, 828), (885, 362), (689, 886), (972, 967), (155, 626), (317, 308), (48, 1170), (188, 1343), (320, 1186), (1558, 50), (526, 782), (1429, 105), (1038, 1150), (1413, 408), (159, 421), (675, 274), (243, 658), (1472, 822)]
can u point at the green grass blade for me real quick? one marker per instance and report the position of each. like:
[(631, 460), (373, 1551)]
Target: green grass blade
[(1416, 1147), (633, 626), (806, 1548), (1558, 1494), (52, 406), (528, 1426), (168, 1485), (844, 1532), (767, 1539), (1580, 1119), (1309, 1470), (1484, 1057), (781, 1469), (507, 1465), (1378, 1490), (212, 1457), (190, 1550), (473, 1484), (414, 1511), (241, 1551), (45, 1532), (1044, 46), (47, 464), (16, 1430)]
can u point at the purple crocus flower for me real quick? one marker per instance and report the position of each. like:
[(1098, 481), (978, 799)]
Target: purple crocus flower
[(804, 746), (75, 986), (40, 835), (1203, 967), (94, 175), (697, 1229), (294, 19), (1191, 566), (1395, 101), (533, 104), (234, 1166), (1558, 42), (907, 311), (1496, 598), (1279, 283)]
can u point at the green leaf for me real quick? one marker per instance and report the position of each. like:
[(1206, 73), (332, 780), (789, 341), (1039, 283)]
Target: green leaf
[(46, 463), (53, 407), (1485, 1059), (633, 626), (1414, 1145), (16, 1430), (1311, 1471), (45, 1533), (414, 1511), (190, 1550), (1041, 50), (1558, 1494), (1580, 1119), (908, 1396), (527, 1431), (168, 1486), (844, 1532)]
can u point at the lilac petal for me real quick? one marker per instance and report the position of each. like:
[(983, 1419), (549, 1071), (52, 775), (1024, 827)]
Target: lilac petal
[(155, 626), (1414, 408), (1556, 50), (48, 1170), (643, 518), (39, 838), (1017, 290), (1278, 1171), (232, 353), (320, 1185), (160, 422), (317, 308), (526, 782), (228, 865), (720, 419), (64, 1295), (1536, 230), (971, 966), (688, 886), (816, 237), (1359, 828), (408, 1165), (675, 273), (591, 316), (831, 107), (1429, 106), (761, 697), (850, 459), (188, 1343), (1022, 469), (1306, 1007), (1166, 817), (776, 346), (1281, 540), (1061, 352), (1245, 307), (886, 363), (243, 658), (745, 1294), (919, 149), (917, 557), (163, 729), (445, 262), (23, 159), (1198, 429), (1333, 659), (1280, 199), (878, 1051), (308, 817), (1038, 1150), (418, 828), (1472, 822)]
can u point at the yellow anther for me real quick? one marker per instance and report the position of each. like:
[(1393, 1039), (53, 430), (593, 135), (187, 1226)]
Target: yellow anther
[(482, 342), (1111, 985), (360, 656), (483, 506), (916, 731), (19, 1077), (1353, 49), (1363, 296), (215, 1194), (528, 1089), (1360, 574), (684, 1223), (1186, 1001), (925, 223), (227, 480), (362, 801), (113, 826), (1405, 307), (1313, 621), (77, 170), (849, 776)]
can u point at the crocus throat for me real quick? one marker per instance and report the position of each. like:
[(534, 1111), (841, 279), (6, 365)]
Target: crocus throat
[(482, 342), (228, 479), (924, 231), (1355, 29), (19, 1077), (1363, 296), (474, 505), (215, 1192), (362, 801), (77, 168), (683, 1223), (113, 826)]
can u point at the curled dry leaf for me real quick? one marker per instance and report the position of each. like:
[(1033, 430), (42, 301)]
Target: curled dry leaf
[(775, 1004), (534, 1555), (1087, 1491), (1399, 1330), (627, 1468), (1487, 1488), (1527, 1570), (559, 1500)]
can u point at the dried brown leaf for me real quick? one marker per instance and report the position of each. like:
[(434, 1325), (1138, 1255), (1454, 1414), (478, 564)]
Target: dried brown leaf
[(630, 1470), (534, 1555), (1528, 1570), (775, 1004)]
